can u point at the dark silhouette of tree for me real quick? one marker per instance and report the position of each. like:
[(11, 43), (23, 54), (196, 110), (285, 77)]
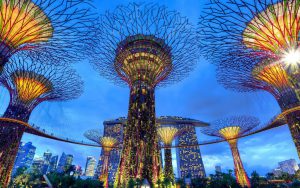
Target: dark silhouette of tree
[(255, 179)]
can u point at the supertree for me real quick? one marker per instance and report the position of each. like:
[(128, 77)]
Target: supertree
[(29, 84), (167, 135), (50, 29), (107, 143), (255, 46), (231, 129), (143, 45)]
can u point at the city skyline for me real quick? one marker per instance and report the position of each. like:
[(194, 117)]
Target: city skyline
[(280, 165), (199, 96)]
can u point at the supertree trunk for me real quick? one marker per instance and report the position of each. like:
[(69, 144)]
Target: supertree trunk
[(104, 171), (293, 121), (10, 137), (140, 155), (168, 170), (240, 173)]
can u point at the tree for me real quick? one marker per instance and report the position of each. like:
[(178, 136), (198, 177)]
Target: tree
[(297, 175), (255, 179), (131, 183), (286, 177), (199, 183), (224, 180), (20, 171), (270, 176), (167, 182)]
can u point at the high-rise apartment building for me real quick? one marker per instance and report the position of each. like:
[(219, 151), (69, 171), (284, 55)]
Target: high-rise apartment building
[(37, 165), (90, 166), (53, 163), (189, 160), (25, 156), (65, 161), (47, 157)]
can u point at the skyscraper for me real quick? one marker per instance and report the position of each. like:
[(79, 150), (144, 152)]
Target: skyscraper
[(53, 163), (289, 166), (69, 161), (37, 165), (189, 160), (65, 161), (47, 158), (25, 156), (90, 166), (61, 163)]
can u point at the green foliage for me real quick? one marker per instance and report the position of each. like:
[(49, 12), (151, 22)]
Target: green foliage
[(20, 171), (131, 183), (36, 180), (224, 180), (255, 179), (199, 182), (62, 181), (167, 182), (297, 175)]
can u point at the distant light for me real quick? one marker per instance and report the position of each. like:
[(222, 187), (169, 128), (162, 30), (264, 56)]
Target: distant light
[(291, 58)]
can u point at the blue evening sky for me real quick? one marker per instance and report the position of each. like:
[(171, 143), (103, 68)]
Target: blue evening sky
[(199, 96)]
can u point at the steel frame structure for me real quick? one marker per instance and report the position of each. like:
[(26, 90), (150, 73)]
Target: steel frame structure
[(29, 84), (145, 46), (252, 43), (230, 129), (53, 30), (167, 135), (107, 144)]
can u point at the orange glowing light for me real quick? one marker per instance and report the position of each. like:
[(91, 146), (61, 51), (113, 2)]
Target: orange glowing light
[(275, 29), (167, 134), (142, 58), (273, 74), (108, 143), (22, 22), (230, 132), (29, 88)]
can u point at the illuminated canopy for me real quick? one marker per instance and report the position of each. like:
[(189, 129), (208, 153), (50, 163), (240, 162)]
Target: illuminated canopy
[(30, 86), (23, 22), (143, 58), (275, 29), (167, 134), (108, 143), (230, 132), (273, 74)]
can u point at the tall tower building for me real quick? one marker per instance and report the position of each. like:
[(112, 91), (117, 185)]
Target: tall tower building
[(69, 161), (37, 165), (53, 163), (90, 166), (61, 163), (189, 160), (65, 162), (47, 157), (25, 156)]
